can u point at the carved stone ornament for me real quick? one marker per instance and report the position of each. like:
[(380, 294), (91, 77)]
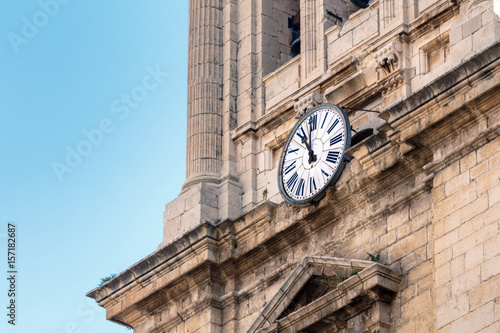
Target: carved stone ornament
[(392, 82), (388, 58), (307, 102)]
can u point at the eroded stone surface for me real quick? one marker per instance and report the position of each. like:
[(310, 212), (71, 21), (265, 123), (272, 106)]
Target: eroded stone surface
[(423, 190)]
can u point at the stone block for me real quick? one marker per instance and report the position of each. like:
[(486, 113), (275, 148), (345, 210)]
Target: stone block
[(468, 162), (470, 227), (388, 238), (408, 326), (367, 29), (443, 257), (474, 208), (464, 245), (419, 272), (424, 5), (492, 215), (407, 245), (488, 150), (494, 195), (421, 220), (426, 283), (474, 257), (485, 37), (398, 218), (455, 35), (445, 241), (456, 183), (459, 199), (452, 310), (443, 294), (171, 229), (442, 274), (490, 268), (465, 282), (457, 265), (447, 173), (476, 320), (417, 305), (438, 194), (471, 25), (340, 46), (424, 322), (403, 231), (491, 247), (419, 206), (461, 50), (487, 232), (485, 292)]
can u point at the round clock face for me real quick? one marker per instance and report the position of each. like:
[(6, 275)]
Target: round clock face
[(313, 154)]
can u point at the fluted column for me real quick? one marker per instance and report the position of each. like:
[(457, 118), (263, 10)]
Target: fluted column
[(308, 38), (205, 74)]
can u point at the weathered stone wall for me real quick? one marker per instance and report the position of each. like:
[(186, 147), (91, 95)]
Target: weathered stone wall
[(423, 190), (466, 220)]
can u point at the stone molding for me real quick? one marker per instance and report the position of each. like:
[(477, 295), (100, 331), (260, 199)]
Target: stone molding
[(373, 283)]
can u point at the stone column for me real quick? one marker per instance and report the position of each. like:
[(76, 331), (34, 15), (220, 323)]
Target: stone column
[(199, 200), (308, 36), (205, 74)]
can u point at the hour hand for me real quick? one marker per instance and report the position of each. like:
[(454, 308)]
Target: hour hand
[(305, 141), (312, 157)]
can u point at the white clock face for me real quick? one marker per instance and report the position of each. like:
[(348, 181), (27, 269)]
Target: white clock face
[(313, 155)]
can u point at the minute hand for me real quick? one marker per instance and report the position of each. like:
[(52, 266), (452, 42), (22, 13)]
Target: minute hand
[(312, 157)]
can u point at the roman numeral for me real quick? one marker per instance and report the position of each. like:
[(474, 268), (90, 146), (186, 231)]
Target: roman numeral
[(312, 185), (325, 173), (293, 151), (333, 126), (323, 123), (332, 157), (290, 167), (336, 139), (300, 188), (313, 122), (303, 136), (292, 181)]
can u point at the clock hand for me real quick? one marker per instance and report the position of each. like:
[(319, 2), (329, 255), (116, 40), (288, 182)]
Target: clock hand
[(308, 145), (312, 157)]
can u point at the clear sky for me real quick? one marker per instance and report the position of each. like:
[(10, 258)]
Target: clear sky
[(92, 147)]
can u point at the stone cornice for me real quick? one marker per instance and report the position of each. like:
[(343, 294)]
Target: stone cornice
[(432, 18), (439, 88)]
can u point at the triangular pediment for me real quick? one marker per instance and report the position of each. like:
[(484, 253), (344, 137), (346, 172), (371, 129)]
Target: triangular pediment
[(319, 288)]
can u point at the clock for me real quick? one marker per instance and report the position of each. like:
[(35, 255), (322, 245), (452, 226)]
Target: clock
[(313, 155)]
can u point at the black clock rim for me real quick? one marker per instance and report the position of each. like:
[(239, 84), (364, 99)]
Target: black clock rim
[(338, 171)]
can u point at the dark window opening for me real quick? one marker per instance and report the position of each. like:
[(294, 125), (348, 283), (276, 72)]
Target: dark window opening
[(294, 26), (360, 136)]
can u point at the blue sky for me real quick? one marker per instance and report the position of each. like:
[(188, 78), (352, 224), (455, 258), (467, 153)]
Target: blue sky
[(104, 80)]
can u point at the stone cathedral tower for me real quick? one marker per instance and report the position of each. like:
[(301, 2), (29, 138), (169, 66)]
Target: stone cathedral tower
[(407, 239)]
